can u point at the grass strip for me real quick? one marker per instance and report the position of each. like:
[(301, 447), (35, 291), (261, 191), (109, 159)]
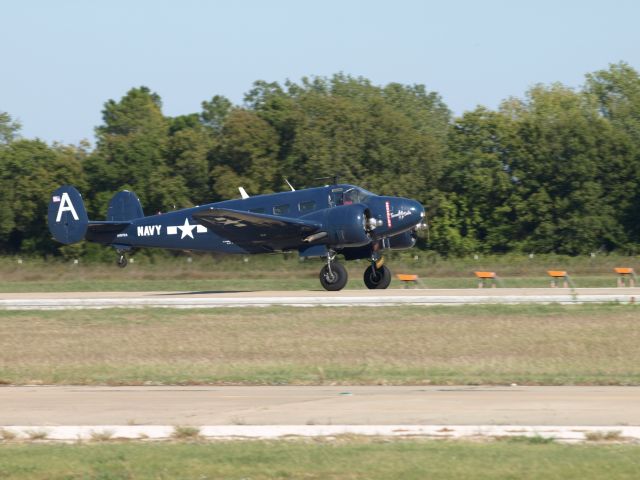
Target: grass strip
[(287, 272), (491, 344), (344, 458)]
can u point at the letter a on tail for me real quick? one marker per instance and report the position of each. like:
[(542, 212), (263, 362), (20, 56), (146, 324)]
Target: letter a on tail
[(65, 206)]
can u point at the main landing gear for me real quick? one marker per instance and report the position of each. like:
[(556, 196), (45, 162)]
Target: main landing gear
[(377, 275), (333, 275)]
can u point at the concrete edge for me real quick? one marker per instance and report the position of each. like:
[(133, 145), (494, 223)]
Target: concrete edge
[(567, 434), (101, 303)]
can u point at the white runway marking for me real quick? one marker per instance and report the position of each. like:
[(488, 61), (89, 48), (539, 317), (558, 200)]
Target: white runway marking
[(392, 297), (568, 434)]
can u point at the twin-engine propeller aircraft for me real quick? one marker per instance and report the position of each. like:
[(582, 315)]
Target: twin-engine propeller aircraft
[(317, 222)]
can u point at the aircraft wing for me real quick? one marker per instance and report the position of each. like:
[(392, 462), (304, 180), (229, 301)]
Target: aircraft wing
[(247, 228)]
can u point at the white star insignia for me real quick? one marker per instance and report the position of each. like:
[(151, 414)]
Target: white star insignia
[(187, 229)]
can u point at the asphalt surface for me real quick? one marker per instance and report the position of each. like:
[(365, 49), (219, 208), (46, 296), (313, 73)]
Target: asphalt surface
[(319, 405), (212, 299)]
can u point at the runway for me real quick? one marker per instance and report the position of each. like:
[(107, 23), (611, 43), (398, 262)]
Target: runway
[(72, 412), (315, 405), (568, 414), (391, 297)]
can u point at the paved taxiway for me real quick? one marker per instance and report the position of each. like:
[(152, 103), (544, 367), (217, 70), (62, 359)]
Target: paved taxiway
[(211, 299), (320, 405)]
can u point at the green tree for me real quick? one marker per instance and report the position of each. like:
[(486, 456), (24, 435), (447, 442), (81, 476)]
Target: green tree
[(246, 155), (189, 148), (214, 112), (555, 171), (131, 153), (9, 128), (480, 193), (560, 161), (617, 92), (29, 171), (391, 139)]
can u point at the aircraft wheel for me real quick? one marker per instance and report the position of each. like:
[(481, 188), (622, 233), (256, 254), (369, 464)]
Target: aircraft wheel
[(334, 279), (377, 278), (122, 261)]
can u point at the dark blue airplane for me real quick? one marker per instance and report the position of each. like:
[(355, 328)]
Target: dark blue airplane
[(317, 222)]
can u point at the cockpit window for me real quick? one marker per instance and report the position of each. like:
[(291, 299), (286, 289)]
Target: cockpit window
[(355, 195), (348, 196)]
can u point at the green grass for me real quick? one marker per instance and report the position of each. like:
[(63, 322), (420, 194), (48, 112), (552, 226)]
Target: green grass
[(489, 344), (350, 458), (278, 272)]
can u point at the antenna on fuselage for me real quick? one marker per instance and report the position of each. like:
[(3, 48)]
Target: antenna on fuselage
[(290, 186), (243, 192), (335, 178)]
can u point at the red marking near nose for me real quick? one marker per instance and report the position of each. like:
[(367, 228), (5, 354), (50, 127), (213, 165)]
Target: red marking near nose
[(388, 214)]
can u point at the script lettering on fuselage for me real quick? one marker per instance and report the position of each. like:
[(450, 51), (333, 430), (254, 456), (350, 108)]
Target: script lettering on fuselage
[(401, 214), (148, 230)]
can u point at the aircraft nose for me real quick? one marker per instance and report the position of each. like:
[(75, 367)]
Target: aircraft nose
[(409, 214), (399, 214), (418, 210)]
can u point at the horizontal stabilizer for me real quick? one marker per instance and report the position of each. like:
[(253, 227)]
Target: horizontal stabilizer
[(107, 227), (105, 232)]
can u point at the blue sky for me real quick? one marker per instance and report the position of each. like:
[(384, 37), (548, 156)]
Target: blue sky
[(61, 60)]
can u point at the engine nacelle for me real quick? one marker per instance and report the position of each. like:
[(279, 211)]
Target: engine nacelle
[(346, 225), (403, 241)]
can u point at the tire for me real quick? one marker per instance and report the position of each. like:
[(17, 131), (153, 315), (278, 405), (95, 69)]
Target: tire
[(334, 280), (377, 278), (122, 261)]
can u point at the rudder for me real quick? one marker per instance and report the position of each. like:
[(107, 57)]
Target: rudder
[(67, 217)]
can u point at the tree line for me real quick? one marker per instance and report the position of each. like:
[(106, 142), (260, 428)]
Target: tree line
[(554, 171)]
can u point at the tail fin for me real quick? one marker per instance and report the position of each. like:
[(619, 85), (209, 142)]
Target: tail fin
[(67, 217), (124, 206)]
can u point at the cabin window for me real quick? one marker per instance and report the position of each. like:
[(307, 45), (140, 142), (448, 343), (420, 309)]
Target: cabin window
[(307, 206), (281, 209), (256, 210)]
